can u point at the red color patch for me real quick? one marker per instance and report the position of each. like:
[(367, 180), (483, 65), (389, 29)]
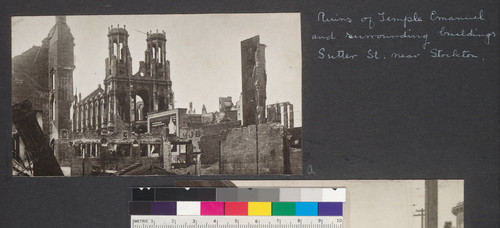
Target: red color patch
[(236, 208)]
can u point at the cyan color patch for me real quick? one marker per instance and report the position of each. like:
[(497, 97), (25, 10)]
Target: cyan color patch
[(306, 209)]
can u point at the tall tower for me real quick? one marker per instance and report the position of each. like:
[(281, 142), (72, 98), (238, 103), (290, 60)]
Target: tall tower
[(118, 71), (254, 80), (158, 68), (60, 67)]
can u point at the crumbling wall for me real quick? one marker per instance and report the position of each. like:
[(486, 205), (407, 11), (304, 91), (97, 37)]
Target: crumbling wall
[(64, 152), (239, 152), (293, 150), (254, 80), (34, 64), (296, 161), (194, 134), (210, 149), (80, 165), (209, 141), (30, 81), (108, 159)]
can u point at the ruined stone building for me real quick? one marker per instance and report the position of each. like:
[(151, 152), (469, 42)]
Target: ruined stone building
[(269, 147), (280, 113), (129, 125), (127, 97), (117, 114), (79, 129), (43, 75), (228, 109), (254, 81)]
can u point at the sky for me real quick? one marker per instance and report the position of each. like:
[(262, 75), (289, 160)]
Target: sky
[(383, 203), (203, 50)]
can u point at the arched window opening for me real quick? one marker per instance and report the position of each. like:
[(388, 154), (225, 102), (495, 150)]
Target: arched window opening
[(141, 101), (115, 47), (154, 52), (139, 108), (122, 51), (160, 54)]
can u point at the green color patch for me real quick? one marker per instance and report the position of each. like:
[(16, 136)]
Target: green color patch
[(284, 208)]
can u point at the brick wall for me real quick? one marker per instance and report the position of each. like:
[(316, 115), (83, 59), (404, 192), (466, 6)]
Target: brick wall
[(295, 161), (194, 134), (210, 149), (239, 152), (218, 128), (209, 141), (293, 150)]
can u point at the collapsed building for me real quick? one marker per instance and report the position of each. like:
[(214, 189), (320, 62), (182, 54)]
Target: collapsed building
[(130, 126), (111, 122), (42, 88)]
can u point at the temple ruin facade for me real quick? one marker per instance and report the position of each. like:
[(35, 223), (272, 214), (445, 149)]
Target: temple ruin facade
[(129, 124)]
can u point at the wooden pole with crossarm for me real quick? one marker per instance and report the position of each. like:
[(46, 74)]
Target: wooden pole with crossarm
[(422, 214)]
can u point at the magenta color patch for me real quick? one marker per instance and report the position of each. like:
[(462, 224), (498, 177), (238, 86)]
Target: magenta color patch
[(212, 208)]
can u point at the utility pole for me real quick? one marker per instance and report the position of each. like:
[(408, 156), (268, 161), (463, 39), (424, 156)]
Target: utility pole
[(421, 214)]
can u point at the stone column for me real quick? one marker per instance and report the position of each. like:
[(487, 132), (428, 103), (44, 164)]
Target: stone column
[(91, 119), (111, 111), (104, 114), (88, 113), (96, 114), (80, 117), (78, 125), (132, 106), (198, 164), (167, 155), (84, 121), (103, 156), (155, 98)]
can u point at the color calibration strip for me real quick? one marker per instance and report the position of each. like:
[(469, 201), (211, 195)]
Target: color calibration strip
[(237, 208), (238, 201), (240, 194)]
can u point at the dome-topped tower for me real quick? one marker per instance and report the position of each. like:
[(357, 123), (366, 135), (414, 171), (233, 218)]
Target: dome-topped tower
[(158, 68), (155, 52), (118, 69), (119, 62)]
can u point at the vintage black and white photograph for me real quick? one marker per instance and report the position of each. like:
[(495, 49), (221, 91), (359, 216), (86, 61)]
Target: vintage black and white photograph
[(377, 203), (191, 94)]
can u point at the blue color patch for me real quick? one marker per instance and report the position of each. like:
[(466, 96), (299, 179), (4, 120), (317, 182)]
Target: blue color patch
[(306, 209), (330, 208)]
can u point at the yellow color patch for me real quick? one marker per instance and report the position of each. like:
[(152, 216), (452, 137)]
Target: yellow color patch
[(259, 208)]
